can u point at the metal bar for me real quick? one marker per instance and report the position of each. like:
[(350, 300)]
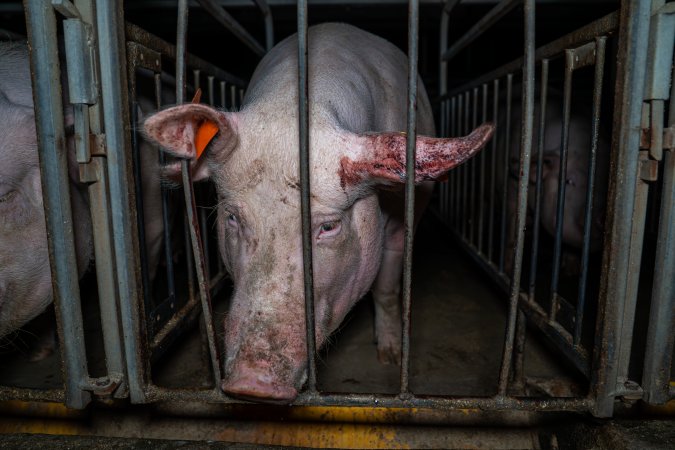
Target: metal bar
[(527, 119), (588, 214), (472, 170), (632, 51), (47, 97), (481, 190), (465, 218), (562, 176), (505, 170), (303, 117), (576, 38), (535, 313), (457, 173), (137, 34), (413, 38), (226, 20), (452, 182), (492, 17), (190, 204), (660, 335), (269, 23), (493, 165), (543, 97), (391, 401)]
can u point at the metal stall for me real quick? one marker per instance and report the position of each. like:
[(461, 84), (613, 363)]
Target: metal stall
[(494, 215)]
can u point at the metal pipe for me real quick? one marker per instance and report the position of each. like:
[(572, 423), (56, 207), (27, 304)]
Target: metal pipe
[(505, 170), (493, 16), (543, 97), (660, 336), (226, 20), (562, 184), (588, 214), (413, 41), (481, 191), (303, 124), (493, 165), (525, 150), (631, 59), (269, 23), (52, 151)]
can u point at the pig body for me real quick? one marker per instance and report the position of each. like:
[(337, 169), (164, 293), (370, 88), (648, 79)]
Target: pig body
[(25, 276), (357, 110), (576, 180)]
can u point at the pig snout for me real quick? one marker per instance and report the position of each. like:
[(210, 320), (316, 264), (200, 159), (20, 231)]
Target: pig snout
[(265, 359)]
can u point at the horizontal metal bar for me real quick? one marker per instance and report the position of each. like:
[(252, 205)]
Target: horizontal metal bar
[(137, 34), (480, 27), (388, 401), (235, 27), (576, 38)]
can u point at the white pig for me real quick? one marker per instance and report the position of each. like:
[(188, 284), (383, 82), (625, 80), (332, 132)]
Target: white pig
[(357, 112), (25, 276)]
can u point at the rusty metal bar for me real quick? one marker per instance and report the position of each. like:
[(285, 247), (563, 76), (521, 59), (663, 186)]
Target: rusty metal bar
[(413, 45), (543, 97), (527, 120), (505, 171), (493, 16), (493, 166), (562, 176), (576, 38), (588, 214), (226, 20), (190, 205), (631, 61), (660, 334), (303, 117), (481, 190)]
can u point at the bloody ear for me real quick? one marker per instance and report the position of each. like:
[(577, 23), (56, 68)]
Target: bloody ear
[(185, 131), (381, 158)]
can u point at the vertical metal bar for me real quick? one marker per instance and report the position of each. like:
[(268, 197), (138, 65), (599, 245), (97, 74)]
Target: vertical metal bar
[(303, 116), (472, 172), (525, 150), (56, 196), (110, 24), (543, 97), (189, 195), (562, 176), (233, 98), (505, 170), (413, 25), (481, 190), (203, 224), (458, 171), (493, 166), (223, 94), (631, 60), (446, 184), (660, 335), (588, 214), (441, 186), (168, 243), (465, 217)]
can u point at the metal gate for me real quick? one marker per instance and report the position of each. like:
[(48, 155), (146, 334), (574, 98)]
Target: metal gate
[(107, 61)]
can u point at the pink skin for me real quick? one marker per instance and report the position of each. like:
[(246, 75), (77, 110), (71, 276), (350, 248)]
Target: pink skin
[(25, 275), (356, 227)]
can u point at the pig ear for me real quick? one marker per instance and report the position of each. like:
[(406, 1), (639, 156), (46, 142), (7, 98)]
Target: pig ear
[(379, 158), (187, 131)]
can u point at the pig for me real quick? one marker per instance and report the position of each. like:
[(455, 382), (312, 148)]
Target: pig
[(576, 181), (357, 112), (25, 276)]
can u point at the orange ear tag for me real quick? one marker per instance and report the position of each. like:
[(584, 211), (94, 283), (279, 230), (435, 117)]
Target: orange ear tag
[(206, 130), (205, 133)]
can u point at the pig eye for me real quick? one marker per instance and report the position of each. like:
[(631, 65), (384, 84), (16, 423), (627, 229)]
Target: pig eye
[(8, 196), (232, 220), (328, 229)]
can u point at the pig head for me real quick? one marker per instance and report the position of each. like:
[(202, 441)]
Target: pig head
[(357, 105)]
